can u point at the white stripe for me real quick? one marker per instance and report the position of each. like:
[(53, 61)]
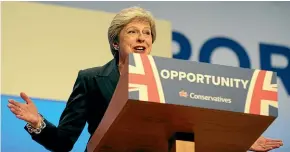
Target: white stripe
[(143, 91), (265, 106), (267, 85), (138, 68)]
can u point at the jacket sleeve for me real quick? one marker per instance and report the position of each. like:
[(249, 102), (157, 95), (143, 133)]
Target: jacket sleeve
[(71, 123)]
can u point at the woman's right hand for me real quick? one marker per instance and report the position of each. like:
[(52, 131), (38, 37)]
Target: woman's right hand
[(25, 111)]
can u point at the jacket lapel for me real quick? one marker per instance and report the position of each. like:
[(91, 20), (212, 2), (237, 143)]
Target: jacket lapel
[(107, 79)]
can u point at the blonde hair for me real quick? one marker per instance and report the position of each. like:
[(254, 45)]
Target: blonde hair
[(124, 17)]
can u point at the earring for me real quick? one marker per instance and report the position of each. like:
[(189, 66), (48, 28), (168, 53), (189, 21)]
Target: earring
[(116, 47)]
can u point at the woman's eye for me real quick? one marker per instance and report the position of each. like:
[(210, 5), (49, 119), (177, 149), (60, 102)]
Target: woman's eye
[(132, 32), (148, 33)]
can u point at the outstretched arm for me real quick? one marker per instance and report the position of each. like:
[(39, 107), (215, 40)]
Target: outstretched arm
[(71, 123)]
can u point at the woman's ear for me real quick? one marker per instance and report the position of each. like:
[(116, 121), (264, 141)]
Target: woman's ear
[(116, 46)]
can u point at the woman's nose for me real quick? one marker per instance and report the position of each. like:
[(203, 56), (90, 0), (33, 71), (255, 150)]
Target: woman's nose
[(141, 38)]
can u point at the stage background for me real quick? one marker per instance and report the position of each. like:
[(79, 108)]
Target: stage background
[(43, 48)]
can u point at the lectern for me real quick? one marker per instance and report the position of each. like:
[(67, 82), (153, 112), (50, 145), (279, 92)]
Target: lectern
[(162, 104)]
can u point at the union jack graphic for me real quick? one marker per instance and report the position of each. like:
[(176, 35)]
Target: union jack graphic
[(144, 78), (262, 93)]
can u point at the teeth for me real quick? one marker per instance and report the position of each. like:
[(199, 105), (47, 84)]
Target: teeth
[(140, 48)]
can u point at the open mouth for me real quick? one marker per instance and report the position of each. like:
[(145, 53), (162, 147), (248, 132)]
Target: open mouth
[(139, 49)]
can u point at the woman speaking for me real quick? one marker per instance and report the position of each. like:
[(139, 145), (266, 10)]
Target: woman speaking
[(132, 30)]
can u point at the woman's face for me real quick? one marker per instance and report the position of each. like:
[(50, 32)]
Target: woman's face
[(135, 37)]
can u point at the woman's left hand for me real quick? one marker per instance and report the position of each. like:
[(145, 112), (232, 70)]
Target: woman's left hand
[(265, 144)]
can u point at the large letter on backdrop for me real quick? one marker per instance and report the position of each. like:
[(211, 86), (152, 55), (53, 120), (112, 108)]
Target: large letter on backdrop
[(266, 51), (209, 47)]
